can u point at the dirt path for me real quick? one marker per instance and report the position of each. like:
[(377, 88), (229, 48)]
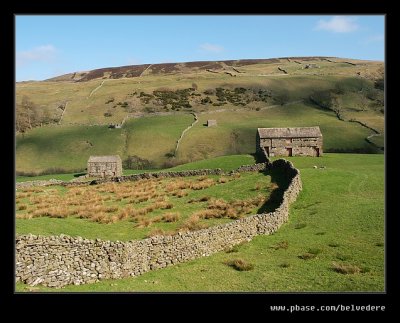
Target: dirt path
[(145, 70), (96, 88), (62, 114), (196, 119)]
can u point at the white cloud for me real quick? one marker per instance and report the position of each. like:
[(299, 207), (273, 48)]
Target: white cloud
[(41, 53), (211, 48), (338, 24)]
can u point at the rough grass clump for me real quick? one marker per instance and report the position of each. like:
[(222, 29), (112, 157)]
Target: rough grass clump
[(155, 232), (223, 180), (346, 269), (192, 224), (170, 217), (310, 254), (280, 245), (240, 264)]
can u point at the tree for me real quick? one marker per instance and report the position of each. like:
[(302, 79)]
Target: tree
[(27, 115), (323, 99), (379, 84)]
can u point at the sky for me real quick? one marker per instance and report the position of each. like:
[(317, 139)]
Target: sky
[(51, 45)]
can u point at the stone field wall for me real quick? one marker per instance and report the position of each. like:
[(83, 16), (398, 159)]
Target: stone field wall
[(56, 261)]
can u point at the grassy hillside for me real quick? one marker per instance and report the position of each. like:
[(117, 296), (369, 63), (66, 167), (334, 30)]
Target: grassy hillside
[(67, 147), (236, 131), (337, 223), (108, 97), (242, 95), (153, 138)]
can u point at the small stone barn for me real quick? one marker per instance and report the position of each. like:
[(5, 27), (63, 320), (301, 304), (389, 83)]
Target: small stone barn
[(305, 141), (211, 123), (104, 166)]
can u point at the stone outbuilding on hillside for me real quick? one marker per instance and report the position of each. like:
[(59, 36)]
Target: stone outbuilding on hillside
[(211, 123), (300, 141), (104, 166)]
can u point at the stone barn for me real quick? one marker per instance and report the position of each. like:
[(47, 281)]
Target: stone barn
[(211, 123), (104, 166), (305, 141)]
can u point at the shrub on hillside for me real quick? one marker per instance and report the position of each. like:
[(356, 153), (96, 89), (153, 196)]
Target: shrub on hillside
[(240, 264)]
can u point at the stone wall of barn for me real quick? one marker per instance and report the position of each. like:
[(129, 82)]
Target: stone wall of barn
[(56, 261), (297, 146)]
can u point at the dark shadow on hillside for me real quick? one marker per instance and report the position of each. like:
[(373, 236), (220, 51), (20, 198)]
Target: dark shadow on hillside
[(276, 196)]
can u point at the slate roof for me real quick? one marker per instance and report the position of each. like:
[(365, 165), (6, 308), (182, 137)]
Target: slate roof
[(299, 132), (96, 159)]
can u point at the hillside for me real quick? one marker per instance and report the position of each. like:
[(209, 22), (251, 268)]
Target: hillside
[(63, 120)]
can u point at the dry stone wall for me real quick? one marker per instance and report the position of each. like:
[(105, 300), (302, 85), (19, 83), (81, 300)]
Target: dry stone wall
[(56, 261)]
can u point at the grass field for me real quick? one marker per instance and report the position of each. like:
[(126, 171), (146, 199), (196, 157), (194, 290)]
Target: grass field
[(236, 131), (334, 240), (133, 210), (153, 138), (67, 147)]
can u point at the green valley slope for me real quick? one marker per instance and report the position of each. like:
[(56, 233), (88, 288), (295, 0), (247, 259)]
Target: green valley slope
[(154, 104)]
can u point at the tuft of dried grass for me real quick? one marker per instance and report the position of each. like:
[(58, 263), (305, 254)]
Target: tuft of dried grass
[(240, 264), (223, 180), (346, 269), (280, 245), (22, 207), (192, 224), (170, 217), (155, 232)]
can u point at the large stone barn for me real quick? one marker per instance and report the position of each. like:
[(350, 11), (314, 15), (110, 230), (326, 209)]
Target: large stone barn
[(104, 166), (305, 141)]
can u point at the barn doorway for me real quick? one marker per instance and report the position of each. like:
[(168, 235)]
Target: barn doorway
[(317, 152), (289, 151), (267, 150)]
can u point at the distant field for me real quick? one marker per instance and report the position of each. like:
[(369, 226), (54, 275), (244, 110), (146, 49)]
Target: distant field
[(226, 163), (153, 138), (67, 147), (236, 131), (336, 224)]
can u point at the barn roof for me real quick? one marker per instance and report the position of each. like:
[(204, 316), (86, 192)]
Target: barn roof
[(299, 132), (112, 158)]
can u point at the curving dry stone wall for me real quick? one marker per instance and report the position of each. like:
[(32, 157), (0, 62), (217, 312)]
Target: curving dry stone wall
[(56, 261)]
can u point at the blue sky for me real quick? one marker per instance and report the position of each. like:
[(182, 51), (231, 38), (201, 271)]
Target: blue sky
[(48, 46)]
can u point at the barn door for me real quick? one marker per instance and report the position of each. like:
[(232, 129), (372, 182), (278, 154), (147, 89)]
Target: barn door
[(289, 151)]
